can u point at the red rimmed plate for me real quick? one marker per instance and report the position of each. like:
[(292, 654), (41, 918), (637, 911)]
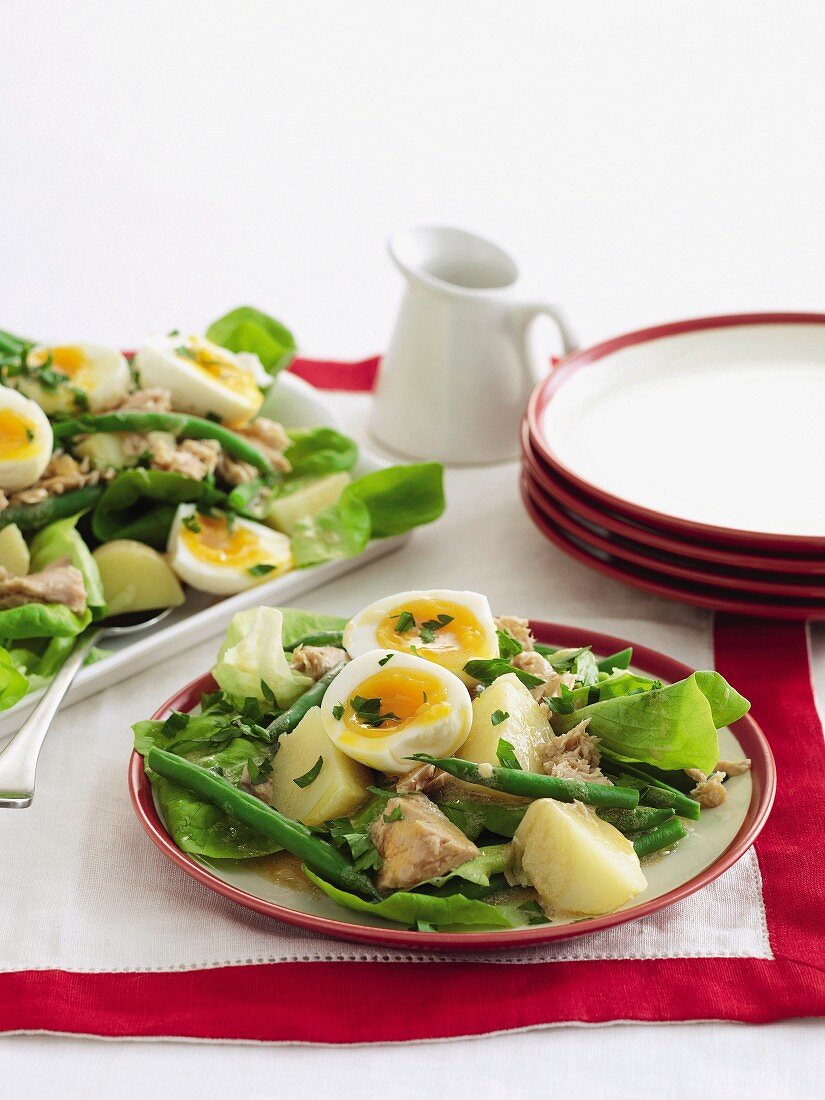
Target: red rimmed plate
[(703, 428), (742, 558), (764, 584), (725, 836), (712, 599)]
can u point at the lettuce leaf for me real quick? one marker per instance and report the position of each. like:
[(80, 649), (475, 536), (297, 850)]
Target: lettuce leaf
[(491, 860), (671, 727), (249, 329), (400, 497), (198, 827), (62, 540), (13, 684), (141, 504), (317, 451), (42, 620), (406, 908), (252, 654), (380, 504), (298, 624)]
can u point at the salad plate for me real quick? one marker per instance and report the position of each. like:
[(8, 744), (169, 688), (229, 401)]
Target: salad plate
[(184, 475), (609, 523), (712, 598), (697, 428), (715, 841), (782, 585)]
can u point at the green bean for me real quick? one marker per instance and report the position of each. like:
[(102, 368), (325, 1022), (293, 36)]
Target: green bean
[(638, 820), (286, 722), (319, 855), (321, 637), (534, 785), (192, 427), (31, 517), (657, 793), (671, 832)]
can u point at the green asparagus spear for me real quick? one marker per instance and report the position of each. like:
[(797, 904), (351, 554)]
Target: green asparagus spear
[(532, 784), (191, 427), (287, 721), (295, 837), (671, 832)]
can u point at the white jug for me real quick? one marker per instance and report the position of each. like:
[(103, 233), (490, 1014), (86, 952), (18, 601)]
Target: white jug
[(455, 380)]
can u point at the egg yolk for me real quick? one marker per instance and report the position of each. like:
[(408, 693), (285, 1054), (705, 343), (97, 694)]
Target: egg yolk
[(221, 370), (216, 544), (403, 697), (449, 641), (68, 359), (18, 436)]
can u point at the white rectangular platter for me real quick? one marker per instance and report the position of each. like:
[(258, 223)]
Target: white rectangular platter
[(294, 404)]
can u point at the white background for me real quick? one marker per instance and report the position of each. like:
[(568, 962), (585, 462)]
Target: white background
[(163, 162)]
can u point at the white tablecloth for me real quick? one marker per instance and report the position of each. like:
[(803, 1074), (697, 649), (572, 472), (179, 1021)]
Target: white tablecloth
[(167, 161)]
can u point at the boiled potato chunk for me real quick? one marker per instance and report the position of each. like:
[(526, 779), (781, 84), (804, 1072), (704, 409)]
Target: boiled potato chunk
[(14, 553), (105, 450), (576, 862), (526, 727), (339, 788), (285, 511), (136, 577)]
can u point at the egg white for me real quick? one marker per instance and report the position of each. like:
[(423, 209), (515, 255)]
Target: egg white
[(226, 578), (428, 731), (165, 362), (361, 633), (22, 460), (99, 372)]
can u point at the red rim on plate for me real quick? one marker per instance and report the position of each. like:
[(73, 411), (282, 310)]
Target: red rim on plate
[(754, 745), (543, 395), (666, 565), (552, 486), (700, 596)]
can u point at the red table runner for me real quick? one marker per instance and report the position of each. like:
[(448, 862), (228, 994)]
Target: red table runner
[(348, 1002)]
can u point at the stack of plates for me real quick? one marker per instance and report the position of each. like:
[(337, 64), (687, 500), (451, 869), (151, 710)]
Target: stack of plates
[(689, 460)]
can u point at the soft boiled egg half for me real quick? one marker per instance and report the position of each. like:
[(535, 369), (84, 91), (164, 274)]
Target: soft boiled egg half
[(202, 377), (445, 627), (76, 377), (384, 706), (216, 554), (25, 441)]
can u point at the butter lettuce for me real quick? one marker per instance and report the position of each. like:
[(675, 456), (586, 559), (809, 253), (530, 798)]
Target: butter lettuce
[(407, 908), (141, 504), (42, 620), (299, 624), (380, 504), (249, 329), (315, 452), (671, 727), (62, 540), (197, 827), (253, 655), (13, 684)]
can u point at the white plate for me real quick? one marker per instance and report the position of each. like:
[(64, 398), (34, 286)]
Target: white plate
[(294, 403), (717, 426)]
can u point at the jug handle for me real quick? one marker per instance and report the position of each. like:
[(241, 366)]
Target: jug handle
[(522, 317)]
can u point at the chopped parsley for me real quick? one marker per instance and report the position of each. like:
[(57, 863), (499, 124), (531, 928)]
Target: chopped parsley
[(368, 712), (338, 712), (191, 524), (405, 621), (29, 435), (507, 645), (261, 569), (507, 755), (384, 660), (430, 626), (394, 815), (310, 776), (533, 913), (498, 716)]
